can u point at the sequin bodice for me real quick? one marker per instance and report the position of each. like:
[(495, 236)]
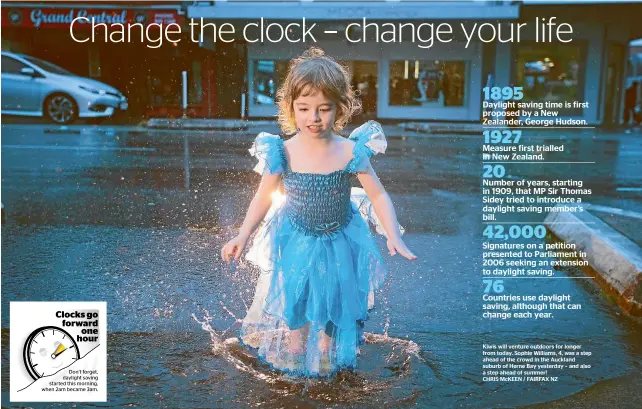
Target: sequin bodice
[(318, 204)]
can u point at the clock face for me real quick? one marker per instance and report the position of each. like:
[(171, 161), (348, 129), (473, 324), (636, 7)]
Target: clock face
[(48, 350)]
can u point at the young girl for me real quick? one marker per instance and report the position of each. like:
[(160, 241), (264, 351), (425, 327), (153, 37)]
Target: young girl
[(319, 262)]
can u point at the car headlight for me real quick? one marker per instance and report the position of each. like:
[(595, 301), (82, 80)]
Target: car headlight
[(93, 90)]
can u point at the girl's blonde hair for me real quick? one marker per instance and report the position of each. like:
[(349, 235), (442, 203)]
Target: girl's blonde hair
[(314, 72)]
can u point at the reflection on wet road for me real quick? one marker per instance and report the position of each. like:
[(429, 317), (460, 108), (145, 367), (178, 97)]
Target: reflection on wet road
[(137, 219)]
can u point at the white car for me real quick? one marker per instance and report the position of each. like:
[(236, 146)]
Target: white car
[(34, 87)]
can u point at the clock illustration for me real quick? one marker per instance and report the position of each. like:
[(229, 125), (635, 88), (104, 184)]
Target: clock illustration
[(48, 350)]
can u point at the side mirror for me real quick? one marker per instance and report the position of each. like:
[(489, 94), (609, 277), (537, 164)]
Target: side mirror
[(28, 71)]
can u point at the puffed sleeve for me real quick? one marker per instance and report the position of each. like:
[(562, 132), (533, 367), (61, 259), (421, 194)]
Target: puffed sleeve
[(369, 140), (268, 149)]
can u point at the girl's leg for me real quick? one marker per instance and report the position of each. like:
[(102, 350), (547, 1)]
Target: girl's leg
[(297, 339), (325, 337), (324, 342)]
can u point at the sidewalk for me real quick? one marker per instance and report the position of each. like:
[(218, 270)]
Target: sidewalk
[(409, 128), (240, 124), (611, 238), (198, 124), (253, 127)]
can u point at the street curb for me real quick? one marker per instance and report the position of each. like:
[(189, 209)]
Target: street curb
[(92, 130), (197, 124), (616, 259), (61, 130), (443, 128)]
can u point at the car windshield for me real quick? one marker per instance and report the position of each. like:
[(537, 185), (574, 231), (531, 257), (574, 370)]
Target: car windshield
[(47, 66)]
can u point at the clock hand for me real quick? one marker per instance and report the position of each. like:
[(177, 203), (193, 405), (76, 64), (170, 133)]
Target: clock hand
[(61, 348)]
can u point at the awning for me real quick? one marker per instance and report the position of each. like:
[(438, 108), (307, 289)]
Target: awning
[(351, 10)]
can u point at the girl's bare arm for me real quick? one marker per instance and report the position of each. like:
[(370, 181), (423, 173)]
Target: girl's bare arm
[(255, 213), (260, 203)]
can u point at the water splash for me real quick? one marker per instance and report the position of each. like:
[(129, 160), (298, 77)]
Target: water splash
[(388, 367), (221, 347)]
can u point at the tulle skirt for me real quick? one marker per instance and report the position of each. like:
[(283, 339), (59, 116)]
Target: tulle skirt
[(313, 294)]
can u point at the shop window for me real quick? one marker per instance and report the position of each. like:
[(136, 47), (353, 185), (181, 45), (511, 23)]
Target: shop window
[(552, 72), (195, 79), (268, 76), (165, 84), (94, 62), (427, 83), (364, 82)]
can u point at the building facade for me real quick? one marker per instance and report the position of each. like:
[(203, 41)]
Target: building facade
[(399, 80), (396, 79)]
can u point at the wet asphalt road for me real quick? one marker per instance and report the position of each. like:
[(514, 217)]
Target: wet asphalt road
[(137, 218)]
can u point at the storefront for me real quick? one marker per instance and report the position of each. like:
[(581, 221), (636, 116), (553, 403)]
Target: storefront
[(392, 80), (150, 77), (444, 82), (397, 80)]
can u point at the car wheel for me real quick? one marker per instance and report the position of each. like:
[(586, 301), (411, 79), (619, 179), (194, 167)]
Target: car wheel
[(61, 108)]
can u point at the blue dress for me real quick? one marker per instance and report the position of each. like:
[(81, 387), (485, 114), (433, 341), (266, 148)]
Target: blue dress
[(319, 264)]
